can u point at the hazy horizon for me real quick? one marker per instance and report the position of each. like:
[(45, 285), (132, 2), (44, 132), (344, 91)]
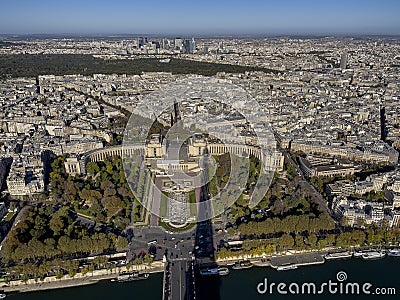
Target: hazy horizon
[(197, 36), (262, 18)]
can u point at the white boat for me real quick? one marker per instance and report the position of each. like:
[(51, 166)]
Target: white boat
[(2, 296), (286, 267), (124, 277), (130, 276), (214, 271), (245, 264), (339, 255), (262, 263), (358, 254), (394, 252), (373, 255)]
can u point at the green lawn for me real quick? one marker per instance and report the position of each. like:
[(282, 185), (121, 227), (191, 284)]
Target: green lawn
[(192, 201), (164, 204), (9, 216), (173, 229)]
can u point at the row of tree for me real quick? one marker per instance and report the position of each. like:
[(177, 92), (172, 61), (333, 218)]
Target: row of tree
[(59, 267), (312, 241), (63, 247), (291, 223)]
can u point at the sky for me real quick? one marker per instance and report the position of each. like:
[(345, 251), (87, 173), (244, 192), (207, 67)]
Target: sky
[(195, 17)]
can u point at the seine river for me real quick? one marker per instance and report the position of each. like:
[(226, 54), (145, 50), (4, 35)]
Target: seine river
[(242, 284)]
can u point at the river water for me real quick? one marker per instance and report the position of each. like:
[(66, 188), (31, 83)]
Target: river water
[(242, 284)]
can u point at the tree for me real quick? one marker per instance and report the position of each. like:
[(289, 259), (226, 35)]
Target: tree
[(72, 267), (24, 278), (286, 241), (70, 191), (58, 165), (85, 270), (57, 223), (64, 244), (109, 166), (312, 240), (92, 168), (148, 259), (230, 231), (138, 261), (321, 244), (112, 204), (59, 274), (121, 243), (100, 261), (124, 192), (299, 242), (91, 268)]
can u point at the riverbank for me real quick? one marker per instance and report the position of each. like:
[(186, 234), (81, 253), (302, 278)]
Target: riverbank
[(292, 257), (65, 283), (241, 284), (299, 258), (304, 259), (49, 283)]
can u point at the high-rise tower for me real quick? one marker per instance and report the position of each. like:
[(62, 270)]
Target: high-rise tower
[(343, 61)]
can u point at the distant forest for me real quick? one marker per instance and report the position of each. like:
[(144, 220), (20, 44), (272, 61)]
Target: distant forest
[(21, 65)]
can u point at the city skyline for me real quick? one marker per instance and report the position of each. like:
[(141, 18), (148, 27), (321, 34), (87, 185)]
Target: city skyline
[(233, 135), (205, 18)]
